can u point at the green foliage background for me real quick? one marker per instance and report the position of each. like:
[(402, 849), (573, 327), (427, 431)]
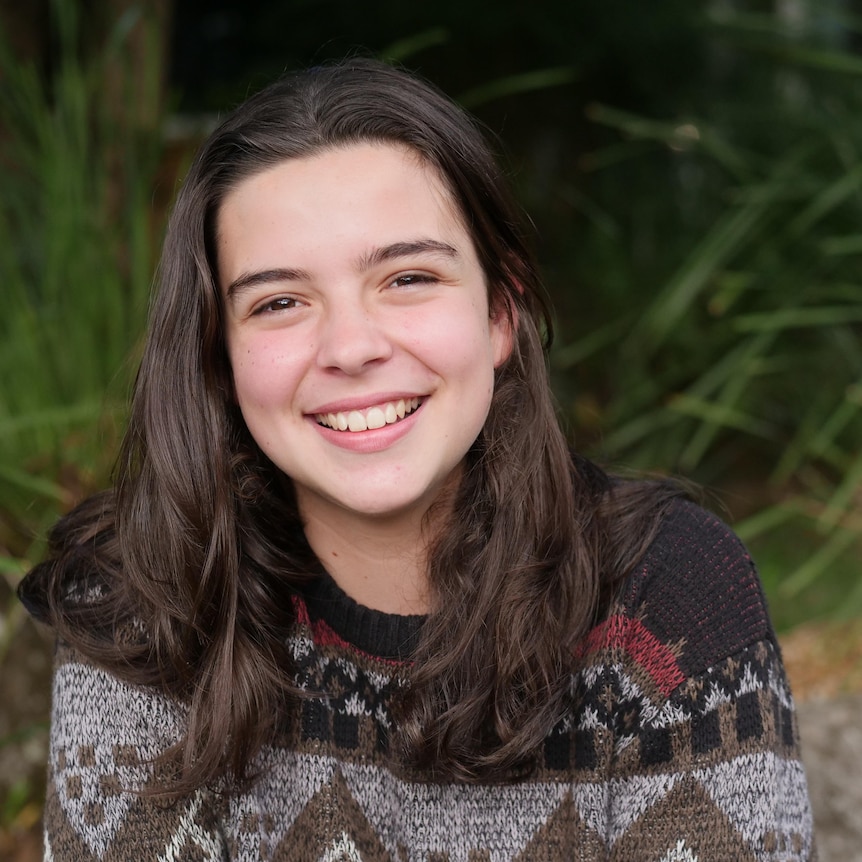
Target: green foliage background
[(693, 171)]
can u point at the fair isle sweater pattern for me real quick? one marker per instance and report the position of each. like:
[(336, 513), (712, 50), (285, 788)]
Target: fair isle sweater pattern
[(680, 745)]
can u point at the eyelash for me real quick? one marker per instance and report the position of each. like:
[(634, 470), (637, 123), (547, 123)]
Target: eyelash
[(411, 278), (281, 303)]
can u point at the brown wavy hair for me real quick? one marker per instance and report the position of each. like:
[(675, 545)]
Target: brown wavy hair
[(182, 575)]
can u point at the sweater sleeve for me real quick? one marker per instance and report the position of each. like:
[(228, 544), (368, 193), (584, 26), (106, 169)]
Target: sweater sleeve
[(705, 763), (104, 736)]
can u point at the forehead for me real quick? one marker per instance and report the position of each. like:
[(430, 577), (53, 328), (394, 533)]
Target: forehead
[(347, 162), (368, 193)]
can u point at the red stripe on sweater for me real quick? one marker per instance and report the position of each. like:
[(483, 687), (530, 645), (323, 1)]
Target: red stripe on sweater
[(635, 639), (324, 635)]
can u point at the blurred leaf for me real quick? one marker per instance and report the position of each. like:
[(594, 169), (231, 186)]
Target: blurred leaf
[(767, 519), (726, 239), (830, 61), (677, 135), (401, 50), (827, 200), (814, 567), (844, 494), (839, 245), (12, 566), (720, 414), (571, 354), (525, 82), (790, 318), (34, 484)]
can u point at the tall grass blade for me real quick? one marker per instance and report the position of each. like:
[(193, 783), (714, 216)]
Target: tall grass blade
[(836, 544), (402, 49), (797, 318), (510, 85), (768, 519), (731, 235)]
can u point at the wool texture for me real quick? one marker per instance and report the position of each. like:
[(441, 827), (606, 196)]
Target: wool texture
[(680, 744)]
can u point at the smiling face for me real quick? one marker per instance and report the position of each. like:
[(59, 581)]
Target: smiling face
[(358, 328)]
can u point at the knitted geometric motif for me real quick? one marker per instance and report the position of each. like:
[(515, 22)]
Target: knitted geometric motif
[(679, 744)]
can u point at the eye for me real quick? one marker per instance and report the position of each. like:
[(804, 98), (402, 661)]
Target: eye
[(410, 279), (281, 303)]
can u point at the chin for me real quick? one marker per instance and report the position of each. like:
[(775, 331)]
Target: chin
[(382, 509)]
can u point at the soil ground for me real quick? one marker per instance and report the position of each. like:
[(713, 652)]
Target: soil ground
[(824, 663)]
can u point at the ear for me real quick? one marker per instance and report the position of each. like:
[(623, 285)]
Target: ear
[(504, 326)]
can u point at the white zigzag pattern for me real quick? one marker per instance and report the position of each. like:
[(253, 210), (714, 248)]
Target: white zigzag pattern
[(189, 829), (680, 853), (344, 850), (778, 800), (630, 798)]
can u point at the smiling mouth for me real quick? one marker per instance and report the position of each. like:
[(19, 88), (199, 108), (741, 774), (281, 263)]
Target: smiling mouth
[(368, 420)]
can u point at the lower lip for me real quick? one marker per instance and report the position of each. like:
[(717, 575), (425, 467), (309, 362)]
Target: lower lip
[(373, 440)]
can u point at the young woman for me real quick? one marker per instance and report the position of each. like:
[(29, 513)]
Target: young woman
[(352, 597)]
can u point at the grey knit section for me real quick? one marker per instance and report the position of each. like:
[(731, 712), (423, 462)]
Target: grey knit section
[(103, 731)]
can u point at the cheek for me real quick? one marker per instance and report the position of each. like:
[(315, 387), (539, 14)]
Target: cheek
[(459, 338), (263, 374)]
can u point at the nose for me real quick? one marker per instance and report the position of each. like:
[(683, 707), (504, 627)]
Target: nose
[(351, 338)]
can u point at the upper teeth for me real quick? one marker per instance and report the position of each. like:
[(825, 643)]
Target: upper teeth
[(373, 417)]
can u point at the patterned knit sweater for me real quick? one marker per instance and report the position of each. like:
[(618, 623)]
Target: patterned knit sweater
[(681, 744)]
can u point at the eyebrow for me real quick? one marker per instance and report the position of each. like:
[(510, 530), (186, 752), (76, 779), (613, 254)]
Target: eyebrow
[(375, 257), (405, 249), (266, 276)]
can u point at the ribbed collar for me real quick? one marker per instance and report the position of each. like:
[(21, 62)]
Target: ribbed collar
[(389, 636)]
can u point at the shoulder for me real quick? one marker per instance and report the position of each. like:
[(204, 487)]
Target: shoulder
[(693, 600), (694, 544), (698, 585), (93, 703)]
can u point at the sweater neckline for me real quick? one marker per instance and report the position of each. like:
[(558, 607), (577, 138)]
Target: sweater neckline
[(387, 636)]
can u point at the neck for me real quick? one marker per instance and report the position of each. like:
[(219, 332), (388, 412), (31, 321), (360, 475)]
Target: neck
[(380, 563)]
